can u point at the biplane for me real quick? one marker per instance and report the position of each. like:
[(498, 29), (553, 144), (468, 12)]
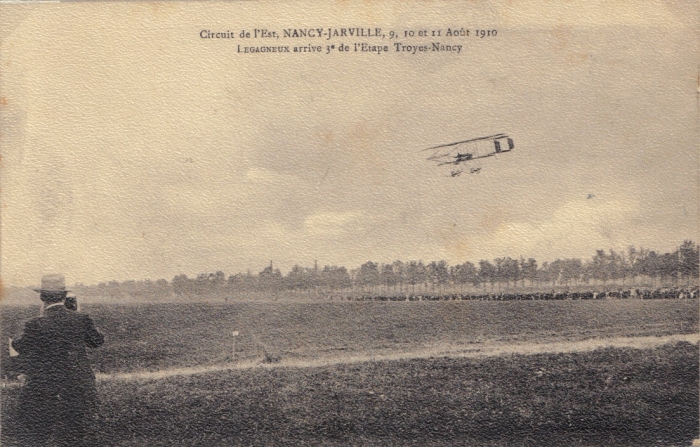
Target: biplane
[(465, 151)]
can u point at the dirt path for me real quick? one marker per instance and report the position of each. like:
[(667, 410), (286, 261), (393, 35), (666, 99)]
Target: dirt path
[(437, 350)]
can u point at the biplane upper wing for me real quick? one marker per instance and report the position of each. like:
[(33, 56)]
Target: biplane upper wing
[(475, 148)]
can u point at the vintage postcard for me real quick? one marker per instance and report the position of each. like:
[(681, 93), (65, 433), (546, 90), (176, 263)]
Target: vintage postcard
[(353, 223)]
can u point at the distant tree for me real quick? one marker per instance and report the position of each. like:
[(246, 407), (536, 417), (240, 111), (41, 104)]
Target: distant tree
[(651, 266), (668, 266), (556, 268), (270, 279), (298, 278), (689, 260), (548, 272), (387, 277), (487, 272), (499, 274), (218, 280), (618, 266), (528, 270), (368, 275), (636, 259), (270, 272), (464, 274), (399, 270), (572, 270), (161, 288), (207, 284), (335, 278), (507, 270), (416, 273), (599, 268), (438, 274), (182, 285)]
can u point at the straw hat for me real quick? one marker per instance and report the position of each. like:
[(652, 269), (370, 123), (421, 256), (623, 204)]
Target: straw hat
[(52, 283)]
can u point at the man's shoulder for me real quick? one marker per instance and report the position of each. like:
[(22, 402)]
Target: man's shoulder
[(63, 314), (83, 317), (33, 321), (81, 314), (74, 314), (35, 324)]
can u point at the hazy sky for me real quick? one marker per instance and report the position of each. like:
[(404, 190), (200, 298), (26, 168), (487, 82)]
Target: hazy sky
[(134, 149)]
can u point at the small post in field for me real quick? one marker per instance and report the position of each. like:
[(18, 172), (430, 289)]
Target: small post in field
[(233, 352)]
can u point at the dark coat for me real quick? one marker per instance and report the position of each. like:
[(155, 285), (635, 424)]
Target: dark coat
[(59, 394)]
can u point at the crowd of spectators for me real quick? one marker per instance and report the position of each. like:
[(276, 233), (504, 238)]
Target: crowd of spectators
[(619, 293)]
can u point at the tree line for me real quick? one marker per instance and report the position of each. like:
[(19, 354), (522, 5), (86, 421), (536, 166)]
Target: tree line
[(635, 266)]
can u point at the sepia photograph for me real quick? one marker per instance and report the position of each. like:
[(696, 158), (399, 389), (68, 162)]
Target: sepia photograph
[(281, 223)]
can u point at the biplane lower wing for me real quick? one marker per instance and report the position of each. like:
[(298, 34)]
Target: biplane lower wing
[(469, 150)]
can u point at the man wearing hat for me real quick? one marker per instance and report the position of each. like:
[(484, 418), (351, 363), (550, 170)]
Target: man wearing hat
[(58, 402)]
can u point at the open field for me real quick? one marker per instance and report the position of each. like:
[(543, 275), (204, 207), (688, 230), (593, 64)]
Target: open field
[(484, 350), (393, 373), (608, 397), (159, 336)]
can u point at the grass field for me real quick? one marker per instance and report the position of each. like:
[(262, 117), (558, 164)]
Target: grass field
[(157, 336), (607, 397)]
